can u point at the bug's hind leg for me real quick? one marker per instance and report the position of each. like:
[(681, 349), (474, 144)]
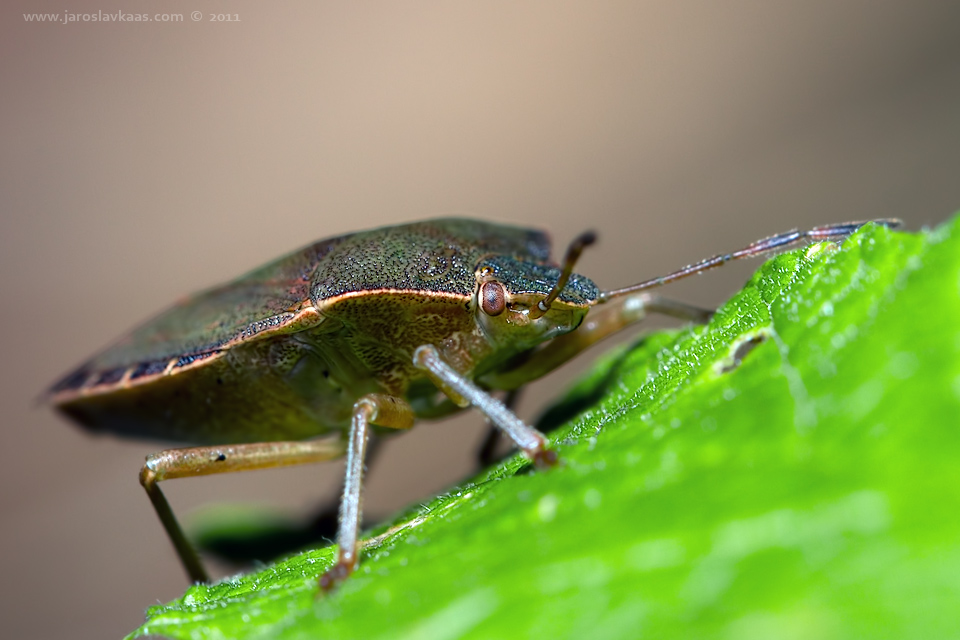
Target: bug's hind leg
[(371, 409), (201, 461)]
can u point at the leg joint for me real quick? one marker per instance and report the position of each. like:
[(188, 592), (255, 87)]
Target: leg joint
[(148, 477), (385, 411)]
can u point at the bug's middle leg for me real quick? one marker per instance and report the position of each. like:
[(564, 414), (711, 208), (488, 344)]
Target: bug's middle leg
[(324, 523), (372, 409)]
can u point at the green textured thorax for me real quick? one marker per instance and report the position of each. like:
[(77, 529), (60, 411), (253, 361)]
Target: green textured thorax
[(436, 256)]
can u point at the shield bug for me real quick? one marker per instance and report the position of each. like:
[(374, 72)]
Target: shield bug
[(366, 331)]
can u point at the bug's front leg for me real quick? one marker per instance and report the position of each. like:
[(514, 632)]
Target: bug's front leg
[(372, 409), (487, 453), (464, 392), (606, 320)]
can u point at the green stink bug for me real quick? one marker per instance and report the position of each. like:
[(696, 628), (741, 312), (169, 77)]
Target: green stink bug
[(369, 330)]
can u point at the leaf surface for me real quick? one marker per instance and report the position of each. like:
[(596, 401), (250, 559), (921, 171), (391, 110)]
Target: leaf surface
[(790, 470)]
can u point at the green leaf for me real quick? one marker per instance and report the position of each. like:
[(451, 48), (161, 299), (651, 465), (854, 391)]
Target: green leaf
[(807, 487)]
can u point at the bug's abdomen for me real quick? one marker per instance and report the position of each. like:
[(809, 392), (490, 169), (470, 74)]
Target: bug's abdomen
[(265, 391)]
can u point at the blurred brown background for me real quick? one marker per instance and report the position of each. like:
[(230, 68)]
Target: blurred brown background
[(141, 162)]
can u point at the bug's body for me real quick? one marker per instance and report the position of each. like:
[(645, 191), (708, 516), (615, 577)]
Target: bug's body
[(371, 329), (283, 352)]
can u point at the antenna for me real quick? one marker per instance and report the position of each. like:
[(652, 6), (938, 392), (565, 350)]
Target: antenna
[(576, 247), (779, 241)]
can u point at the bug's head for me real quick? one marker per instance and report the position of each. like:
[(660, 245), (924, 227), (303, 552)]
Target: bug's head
[(519, 305)]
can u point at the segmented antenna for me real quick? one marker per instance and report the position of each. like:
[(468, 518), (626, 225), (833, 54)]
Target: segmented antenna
[(779, 241)]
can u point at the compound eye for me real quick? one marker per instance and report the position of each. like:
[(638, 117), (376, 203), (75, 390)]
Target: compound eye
[(493, 299)]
